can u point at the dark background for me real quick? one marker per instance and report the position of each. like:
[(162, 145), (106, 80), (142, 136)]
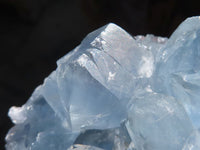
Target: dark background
[(35, 33)]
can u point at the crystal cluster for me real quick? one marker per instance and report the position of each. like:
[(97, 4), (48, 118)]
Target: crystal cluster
[(117, 92)]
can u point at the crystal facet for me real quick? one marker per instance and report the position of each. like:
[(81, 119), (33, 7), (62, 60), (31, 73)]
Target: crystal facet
[(117, 92)]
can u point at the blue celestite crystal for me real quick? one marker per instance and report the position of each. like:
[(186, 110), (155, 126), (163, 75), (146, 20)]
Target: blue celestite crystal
[(117, 92)]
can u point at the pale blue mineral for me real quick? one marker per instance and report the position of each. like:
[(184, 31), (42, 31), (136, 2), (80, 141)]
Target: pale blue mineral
[(117, 92)]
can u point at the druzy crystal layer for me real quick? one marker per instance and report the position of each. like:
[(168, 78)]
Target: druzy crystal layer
[(117, 92)]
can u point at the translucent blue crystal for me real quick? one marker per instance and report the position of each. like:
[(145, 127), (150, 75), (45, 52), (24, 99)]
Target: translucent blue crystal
[(117, 92)]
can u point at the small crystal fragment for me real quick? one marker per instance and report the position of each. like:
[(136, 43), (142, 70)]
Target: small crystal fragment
[(83, 147)]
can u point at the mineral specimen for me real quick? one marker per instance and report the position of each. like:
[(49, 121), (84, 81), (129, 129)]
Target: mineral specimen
[(117, 92)]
